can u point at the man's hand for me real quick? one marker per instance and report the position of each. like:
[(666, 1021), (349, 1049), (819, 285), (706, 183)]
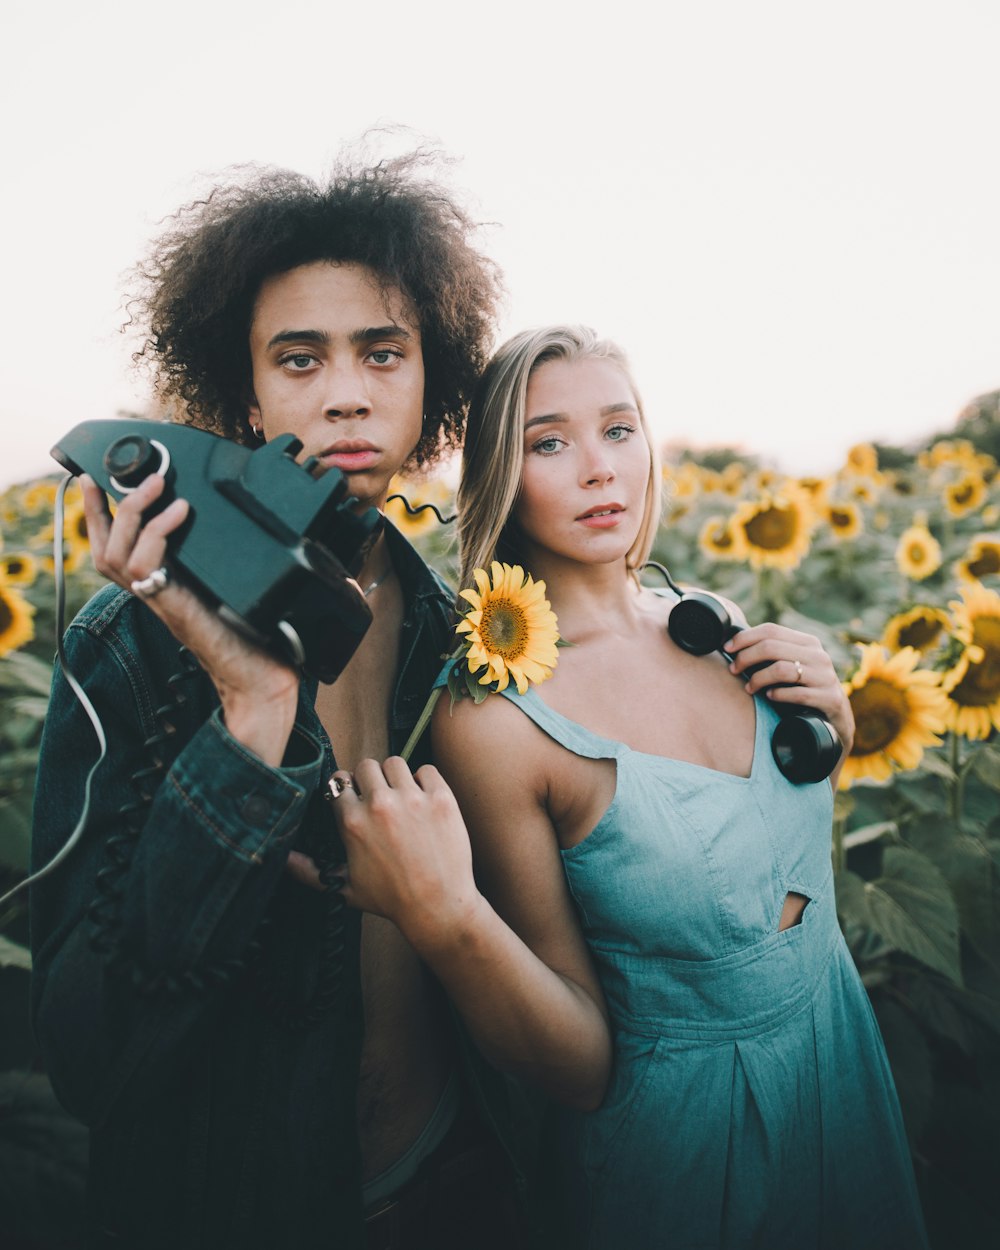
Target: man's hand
[(259, 694)]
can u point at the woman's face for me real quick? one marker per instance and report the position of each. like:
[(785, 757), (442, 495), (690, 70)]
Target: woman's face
[(586, 462)]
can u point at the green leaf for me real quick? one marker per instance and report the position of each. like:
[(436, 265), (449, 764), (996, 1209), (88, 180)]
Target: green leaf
[(22, 671), (937, 766), (986, 765), (12, 955), (910, 1060), (871, 833), (15, 833), (911, 906)]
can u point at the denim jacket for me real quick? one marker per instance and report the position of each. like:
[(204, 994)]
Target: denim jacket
[(214, 1122)]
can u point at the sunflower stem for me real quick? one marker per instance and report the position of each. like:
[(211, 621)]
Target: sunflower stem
[(839, 825), (958, 780), (422, 723)]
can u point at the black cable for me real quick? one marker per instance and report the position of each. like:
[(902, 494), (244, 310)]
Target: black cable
[(415, 511), (660, 568), (78, 690)]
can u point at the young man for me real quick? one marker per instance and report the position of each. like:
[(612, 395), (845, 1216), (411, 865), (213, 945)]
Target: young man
[(259, 1068)]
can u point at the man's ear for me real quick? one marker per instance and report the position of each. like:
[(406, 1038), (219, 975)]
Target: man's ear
[(254, 419)]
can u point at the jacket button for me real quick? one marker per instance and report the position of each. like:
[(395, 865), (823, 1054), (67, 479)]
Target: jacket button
[(255, 809)]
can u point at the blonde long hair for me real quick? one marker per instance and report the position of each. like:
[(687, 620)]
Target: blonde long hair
[(493, 459)]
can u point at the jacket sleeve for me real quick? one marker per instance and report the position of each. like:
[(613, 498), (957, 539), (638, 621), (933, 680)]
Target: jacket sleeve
[(187, 877)]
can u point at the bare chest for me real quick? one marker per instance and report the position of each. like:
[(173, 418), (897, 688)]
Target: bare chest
[(355, 711)]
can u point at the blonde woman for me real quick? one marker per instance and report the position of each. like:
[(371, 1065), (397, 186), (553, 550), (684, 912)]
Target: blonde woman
[(633, 797)]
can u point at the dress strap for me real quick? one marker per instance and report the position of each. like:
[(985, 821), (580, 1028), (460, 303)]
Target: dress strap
[(566, 732)]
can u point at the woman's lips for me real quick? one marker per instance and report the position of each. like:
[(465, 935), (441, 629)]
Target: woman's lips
[(602, 518)]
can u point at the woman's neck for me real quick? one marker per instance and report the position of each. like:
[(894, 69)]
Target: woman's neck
[(588, 597)]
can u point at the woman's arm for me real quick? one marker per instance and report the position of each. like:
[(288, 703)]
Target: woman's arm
[(516, 966)]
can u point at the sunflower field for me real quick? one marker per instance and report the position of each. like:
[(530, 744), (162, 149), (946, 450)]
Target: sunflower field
[(893, 561)]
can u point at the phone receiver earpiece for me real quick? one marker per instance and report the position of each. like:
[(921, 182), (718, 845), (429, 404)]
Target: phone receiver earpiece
[(805, 746)]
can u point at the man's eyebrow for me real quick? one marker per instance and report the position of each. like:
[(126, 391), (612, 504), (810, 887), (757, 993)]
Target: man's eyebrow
[(365, 335), (391, 331), (299, 336), (557, 417)]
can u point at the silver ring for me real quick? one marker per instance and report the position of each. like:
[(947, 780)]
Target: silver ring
[(337, 785), (148, 587), (798, 671)]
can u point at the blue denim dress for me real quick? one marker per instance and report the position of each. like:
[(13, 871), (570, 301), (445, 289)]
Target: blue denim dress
[(751, 1103)]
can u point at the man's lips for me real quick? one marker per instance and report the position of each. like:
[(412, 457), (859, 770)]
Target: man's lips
[(354, 453), (603, 516)]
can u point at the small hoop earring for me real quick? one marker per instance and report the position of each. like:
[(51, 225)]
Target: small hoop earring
[(258, 430)]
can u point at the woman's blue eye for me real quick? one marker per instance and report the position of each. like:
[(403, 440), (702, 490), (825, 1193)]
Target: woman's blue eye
[(547, 445), (617, 433)]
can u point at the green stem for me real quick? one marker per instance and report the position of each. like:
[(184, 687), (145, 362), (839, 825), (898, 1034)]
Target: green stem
[(958, 780), (838, 843), (422, 723)]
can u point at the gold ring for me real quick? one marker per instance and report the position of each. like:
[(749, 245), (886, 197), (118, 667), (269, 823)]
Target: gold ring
[(798, 671)]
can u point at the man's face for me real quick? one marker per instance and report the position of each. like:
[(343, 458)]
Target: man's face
[(338, 363)]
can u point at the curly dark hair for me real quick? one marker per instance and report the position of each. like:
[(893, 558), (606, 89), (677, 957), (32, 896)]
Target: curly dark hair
[(201, 280)]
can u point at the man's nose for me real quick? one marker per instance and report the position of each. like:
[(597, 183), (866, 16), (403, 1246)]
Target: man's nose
[(346, 392)]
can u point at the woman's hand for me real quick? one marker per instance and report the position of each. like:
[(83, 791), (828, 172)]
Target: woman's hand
[(259, 694), (798, 672), (408, 852)]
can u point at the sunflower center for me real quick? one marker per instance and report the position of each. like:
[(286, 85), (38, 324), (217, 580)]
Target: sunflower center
[(504, 629), (6, 616), (981, 684), (15, 566), (920, 633), (772, 528), (840, 520), (962, 494), (880, 711), (916, 552), (988, 561), (720, 537)]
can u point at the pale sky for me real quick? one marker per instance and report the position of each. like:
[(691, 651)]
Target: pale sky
[(787, 213)]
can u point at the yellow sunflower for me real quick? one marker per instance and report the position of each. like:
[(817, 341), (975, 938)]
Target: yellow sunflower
[(681, 480), (973, 683), (775, 528), (18, 569), (862, 458), (918, 553), (844, 520), (720, 540), (981, 560), (818, 490), (899, 710), (731, 478), (512, 630), (39, 496), (766, 481), (16, 625), (76, 546), (965, 495), (923, 628)]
